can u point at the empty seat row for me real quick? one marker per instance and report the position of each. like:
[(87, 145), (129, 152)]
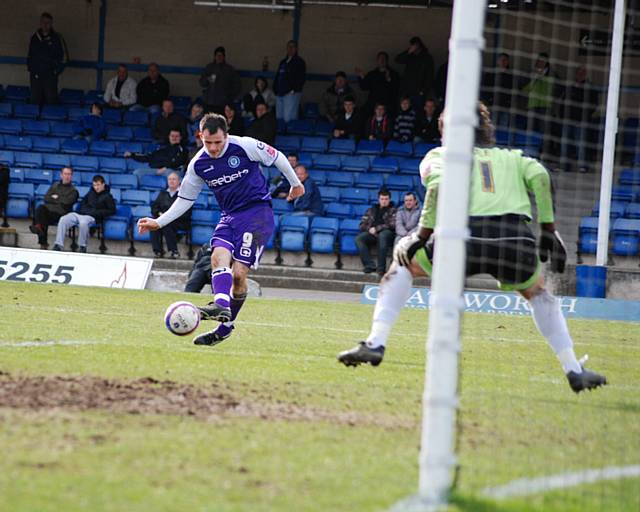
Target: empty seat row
[(45, 144), (63, 129), (624, 235)]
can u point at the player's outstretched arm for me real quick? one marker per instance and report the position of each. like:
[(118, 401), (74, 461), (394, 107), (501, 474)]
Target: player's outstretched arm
[(146, 224)]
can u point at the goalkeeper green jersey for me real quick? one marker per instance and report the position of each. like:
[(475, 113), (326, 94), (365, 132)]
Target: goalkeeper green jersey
[(501, 181)]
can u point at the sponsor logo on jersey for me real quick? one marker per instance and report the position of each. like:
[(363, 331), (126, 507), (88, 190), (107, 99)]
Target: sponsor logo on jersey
[(271, 151), (227, 178), (233, 161)]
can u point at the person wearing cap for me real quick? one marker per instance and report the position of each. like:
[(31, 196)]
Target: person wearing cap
[(333, 97), (220, 83)]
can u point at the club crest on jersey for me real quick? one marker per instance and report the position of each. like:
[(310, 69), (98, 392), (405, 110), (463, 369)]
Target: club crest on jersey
[(233, 162)]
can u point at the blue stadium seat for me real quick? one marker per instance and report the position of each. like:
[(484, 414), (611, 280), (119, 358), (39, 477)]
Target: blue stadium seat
[(7, 157), (132, 165), (503, 138), (71, 96), (293, 232), (201, 234), (132, 147), (16, 175), (207, 218), (102, 148), (21, 191), (6, 109), (400, 182), (45, 144), (272, 239), (18, 208), (74, 146), (85, 163), (338, 210), (329, 194), (26, 111), (10, 126), (26, 159), (17, 93), (136, 197), (395, 148), (310, 110), (83, 190), (18, 143), (55, 161), (138, 212), (617, 209), (632, 211), (384, 164), (85, 177), (124, 181), (342, 146), (116, 193), (339, 179), (53, 113), (112, 165), (360, 209), (60, 129), (624, 193), (142, 134), (356, 163), (323, 233), (409, 165), (349, 229), (588, 235), (122, 133), (38, 176), (288, 143), (629, 177), (323, 128), (422, 148), (112, 116), (370, 147), (116, 227), (93, 96), (281, 206), (300, 127), (313, 144), (136, 118), (40, 192), (327, 162), (625, 237), (373, 181), (76, 113), (630, 133), (201, 202), (354, 195), (319, 176), (153, 182), (213, 202), (30, 127)]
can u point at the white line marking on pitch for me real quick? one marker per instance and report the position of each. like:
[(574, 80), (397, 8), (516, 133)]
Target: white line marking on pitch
[(47, 343), (528, 486)]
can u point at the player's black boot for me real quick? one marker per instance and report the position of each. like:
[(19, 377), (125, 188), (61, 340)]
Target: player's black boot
[(213, 311), (361, 353), (212, 338), (585, 380)]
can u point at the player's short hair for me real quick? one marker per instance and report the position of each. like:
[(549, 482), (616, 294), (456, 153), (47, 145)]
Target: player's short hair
[(213, 122), (485, 131), (97, 177)]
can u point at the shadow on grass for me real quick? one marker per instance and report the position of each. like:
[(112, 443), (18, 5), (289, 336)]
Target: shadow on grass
[(465, 503)]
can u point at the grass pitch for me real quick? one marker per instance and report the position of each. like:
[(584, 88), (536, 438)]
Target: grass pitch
[(102, 409)]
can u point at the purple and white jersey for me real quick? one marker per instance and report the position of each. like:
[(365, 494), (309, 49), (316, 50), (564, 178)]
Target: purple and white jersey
[(235, 177)]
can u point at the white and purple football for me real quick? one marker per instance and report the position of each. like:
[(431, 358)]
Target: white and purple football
[(182, 318)]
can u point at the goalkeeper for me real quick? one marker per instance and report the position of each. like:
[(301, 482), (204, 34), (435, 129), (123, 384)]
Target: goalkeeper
[(501, 244)]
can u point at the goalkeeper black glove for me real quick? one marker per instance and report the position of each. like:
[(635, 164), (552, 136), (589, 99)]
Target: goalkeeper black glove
[(552, 247), (406, 248)]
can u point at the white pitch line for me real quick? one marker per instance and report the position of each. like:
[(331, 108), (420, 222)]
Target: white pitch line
[(47, 343), (528, 486)]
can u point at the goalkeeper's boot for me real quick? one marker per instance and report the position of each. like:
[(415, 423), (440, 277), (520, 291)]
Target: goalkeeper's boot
[(214, 311), (585, 380), (362, 353), (221, 333)]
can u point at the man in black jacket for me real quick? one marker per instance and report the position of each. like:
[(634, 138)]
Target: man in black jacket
[(169, 120), (264, 126), (58, 201), (288, 83), (162, 203), (96, 206), (172, 156), (220, 83), (45, 62), (153, 89), (382, 84), (349, 121)]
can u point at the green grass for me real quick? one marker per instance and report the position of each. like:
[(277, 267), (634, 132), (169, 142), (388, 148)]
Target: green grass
[(358, 452)]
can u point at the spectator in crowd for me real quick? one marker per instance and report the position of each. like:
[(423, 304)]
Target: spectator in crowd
[(193, 123), (405, 123), (408, 216), (92, 126), (259, 94), (121, 89), (334, 96), (378, 229), (311, 202), (234, 121), (220, 82), (427, 129), (169, 120), (382, 84), (379, 125), (45, 62), (264, 125), (581, 102), (153, 89), (281, 191), (170, 232), (96, 206), (200, 273), (58, 201), (348, 123), (417, 79), (171, 156), (440, 82), (497, 90), (288, 83), (540, 91)]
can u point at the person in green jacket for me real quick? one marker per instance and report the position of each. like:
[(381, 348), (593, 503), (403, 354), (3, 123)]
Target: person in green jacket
[(501, 244)]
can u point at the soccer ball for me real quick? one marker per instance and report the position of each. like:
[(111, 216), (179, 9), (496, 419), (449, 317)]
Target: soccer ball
[(182, 318)]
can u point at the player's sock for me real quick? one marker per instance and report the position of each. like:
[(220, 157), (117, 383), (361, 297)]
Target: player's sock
[(221, 281), (395, 290), (552, 325), (237, 302)]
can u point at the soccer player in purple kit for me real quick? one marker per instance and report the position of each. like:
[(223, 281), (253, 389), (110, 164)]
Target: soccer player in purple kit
[(230, 167)]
